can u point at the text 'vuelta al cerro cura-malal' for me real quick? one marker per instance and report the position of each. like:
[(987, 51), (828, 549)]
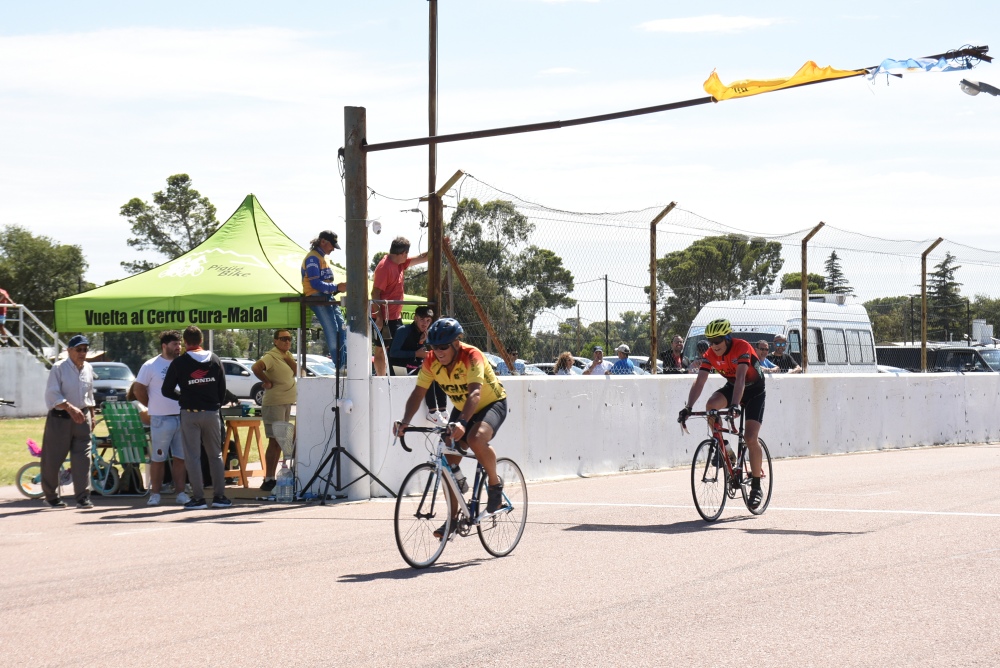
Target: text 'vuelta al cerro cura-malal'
[(194, 316)]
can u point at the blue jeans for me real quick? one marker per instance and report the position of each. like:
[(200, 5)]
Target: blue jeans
[(332, 321)]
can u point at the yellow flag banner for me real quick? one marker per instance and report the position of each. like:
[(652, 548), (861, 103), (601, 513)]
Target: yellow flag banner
[(808, 73)]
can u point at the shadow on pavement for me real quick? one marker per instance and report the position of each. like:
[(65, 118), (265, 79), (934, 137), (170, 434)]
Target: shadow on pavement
[(406, 573), (697, 526)]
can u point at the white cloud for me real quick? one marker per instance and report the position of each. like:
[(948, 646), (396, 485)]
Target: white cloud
[(710, 23), (556, 71)]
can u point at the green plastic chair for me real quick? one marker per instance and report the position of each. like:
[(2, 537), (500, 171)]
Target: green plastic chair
[(130, 441)]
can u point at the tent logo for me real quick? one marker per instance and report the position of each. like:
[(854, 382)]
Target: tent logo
[(194, 264), (184, 266)]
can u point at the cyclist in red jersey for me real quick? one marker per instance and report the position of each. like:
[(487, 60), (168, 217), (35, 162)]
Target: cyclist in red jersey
[(737, 361)]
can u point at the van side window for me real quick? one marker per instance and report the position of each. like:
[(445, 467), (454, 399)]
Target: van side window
[(817, 352), (859, 347), (836, 346), (794, 341)]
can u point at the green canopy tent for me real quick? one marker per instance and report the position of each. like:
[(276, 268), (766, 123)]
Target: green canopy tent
[(234, 279)]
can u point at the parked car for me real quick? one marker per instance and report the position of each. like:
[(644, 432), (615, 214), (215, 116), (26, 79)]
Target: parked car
[(550, 368), (240, 379), (111, 381), (642, 361), (939, 357)]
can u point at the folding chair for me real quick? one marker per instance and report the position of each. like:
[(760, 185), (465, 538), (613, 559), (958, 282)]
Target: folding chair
[(131, 444)]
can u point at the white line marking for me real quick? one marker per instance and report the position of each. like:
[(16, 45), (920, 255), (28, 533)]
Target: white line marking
[(799, 510), (147, 530)]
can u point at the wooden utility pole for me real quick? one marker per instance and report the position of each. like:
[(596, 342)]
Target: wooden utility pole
[(923, 304), (805, 298), (434, 209), (652, 285)]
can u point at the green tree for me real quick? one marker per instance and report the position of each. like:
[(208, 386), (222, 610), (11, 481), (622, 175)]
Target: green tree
[(178, 220), (543, 281), (836, 282), (36, 271), (946, 308), (893, 318), (793, 281), (714, 268)]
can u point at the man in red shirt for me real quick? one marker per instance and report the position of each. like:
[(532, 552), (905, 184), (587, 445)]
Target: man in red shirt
[(737, 361), (387, 284)]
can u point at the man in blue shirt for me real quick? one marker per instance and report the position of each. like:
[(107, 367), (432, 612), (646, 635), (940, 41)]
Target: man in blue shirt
[(624, 365), (762, 350)]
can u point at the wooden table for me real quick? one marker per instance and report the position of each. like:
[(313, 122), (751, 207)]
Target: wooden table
[(253, 433)]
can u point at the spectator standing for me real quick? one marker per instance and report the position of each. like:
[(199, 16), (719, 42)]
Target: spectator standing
[(387, 284), (201, 381), (623, 366), (564, 364), (780, 357), (674, 360), (277, 370), (317, 279), (69, 396), (598, 365), (766, 365), (409, 350), (4, 300), (164, 419)]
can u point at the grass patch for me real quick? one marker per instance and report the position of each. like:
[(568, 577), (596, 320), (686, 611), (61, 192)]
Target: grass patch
[(13, 451)]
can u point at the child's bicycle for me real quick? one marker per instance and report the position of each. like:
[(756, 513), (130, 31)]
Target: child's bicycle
[(717, 472), (104, 478), (424, 514)]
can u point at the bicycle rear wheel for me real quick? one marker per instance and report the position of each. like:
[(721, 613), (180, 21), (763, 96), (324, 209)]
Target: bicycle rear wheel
[(766, 480), (500, 532), (708, 480), (29, 480), (421, 507)]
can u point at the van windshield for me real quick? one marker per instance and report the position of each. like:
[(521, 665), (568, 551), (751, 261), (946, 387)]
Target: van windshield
[(992, 357)]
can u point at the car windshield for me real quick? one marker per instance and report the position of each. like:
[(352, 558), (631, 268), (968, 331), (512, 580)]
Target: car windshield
[(113, 373), (992, 357)]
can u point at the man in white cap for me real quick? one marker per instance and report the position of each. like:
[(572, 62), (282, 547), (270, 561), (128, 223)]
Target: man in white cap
[(69, 396), (623, 366)]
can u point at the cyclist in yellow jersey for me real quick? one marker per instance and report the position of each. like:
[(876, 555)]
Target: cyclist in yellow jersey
[(480, 399)]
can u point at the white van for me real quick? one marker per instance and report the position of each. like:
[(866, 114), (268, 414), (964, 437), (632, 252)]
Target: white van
[(840, 334)]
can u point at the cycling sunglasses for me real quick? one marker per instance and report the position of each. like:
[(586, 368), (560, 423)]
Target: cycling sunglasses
[(443, 346), (716, 340), (779, 345)]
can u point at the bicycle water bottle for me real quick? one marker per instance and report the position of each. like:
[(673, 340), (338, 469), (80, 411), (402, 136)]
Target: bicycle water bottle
[(463, 483), (285, 485)]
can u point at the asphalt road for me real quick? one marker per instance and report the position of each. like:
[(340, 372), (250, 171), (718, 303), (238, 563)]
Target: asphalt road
[(888, 558)]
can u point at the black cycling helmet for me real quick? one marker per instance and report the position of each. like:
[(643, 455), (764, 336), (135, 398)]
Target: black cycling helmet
[(443, 331)]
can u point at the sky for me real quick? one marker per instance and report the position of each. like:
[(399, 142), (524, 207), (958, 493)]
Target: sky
[(101, 101)]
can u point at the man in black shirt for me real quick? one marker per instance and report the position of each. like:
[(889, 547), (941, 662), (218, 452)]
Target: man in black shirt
[(407, 351), (780, 357), (673, 359), (202, 382)]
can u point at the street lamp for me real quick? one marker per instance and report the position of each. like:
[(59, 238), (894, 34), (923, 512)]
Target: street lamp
[(977, 87)]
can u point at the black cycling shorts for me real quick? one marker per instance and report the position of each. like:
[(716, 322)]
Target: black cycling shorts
[(493, 415), (752, 402)]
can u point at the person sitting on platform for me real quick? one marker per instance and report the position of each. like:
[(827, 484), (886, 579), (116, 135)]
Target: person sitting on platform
[(409, 350), (317, 279)]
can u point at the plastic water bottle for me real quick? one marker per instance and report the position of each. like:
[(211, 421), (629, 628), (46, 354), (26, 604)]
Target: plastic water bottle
[(284, 485), (463, 483)]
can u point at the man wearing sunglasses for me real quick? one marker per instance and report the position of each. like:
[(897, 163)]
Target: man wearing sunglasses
[(276, 369), (781, 358), (479, 398), (737, 361)]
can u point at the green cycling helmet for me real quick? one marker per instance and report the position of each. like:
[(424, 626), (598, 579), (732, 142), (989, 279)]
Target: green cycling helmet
[(720, 327)]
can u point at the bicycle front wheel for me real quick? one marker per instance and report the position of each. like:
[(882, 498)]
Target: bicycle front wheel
[(105, 479), (499, 533), (422, 506), (29, 480), (708, 480), (766, 481)]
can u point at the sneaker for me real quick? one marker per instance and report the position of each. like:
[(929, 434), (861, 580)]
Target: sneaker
[(183, 498), (86, 504), (195, 504), (268, 485), (494, 497), (439, 532), (221, 502), (58, 503), (437, 418), (756, 493), (154, 500)]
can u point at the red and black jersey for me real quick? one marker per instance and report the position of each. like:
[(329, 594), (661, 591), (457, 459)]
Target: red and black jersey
[(740, 352)]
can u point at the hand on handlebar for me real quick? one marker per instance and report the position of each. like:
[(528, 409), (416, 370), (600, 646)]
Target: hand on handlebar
[(735, 411), (684, 414), (399, 428)]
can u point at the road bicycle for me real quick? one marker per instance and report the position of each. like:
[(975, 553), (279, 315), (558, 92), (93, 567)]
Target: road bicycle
[(426, 500), (718, 473)]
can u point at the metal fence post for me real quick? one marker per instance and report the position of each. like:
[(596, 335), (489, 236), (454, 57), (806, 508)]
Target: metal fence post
[(805, 298), (652, 284), (923, 304)]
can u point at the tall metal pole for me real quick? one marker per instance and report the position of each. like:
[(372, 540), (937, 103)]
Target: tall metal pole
[(923, 304), (355, 424), (805, 298), (607, 335), (652, 284), (434, 208)]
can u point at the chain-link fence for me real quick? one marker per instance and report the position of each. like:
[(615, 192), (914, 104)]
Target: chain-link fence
[(552, 280)]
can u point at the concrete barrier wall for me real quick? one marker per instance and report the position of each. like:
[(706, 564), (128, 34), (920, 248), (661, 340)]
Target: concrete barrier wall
[(581, 426), (22, 380)]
